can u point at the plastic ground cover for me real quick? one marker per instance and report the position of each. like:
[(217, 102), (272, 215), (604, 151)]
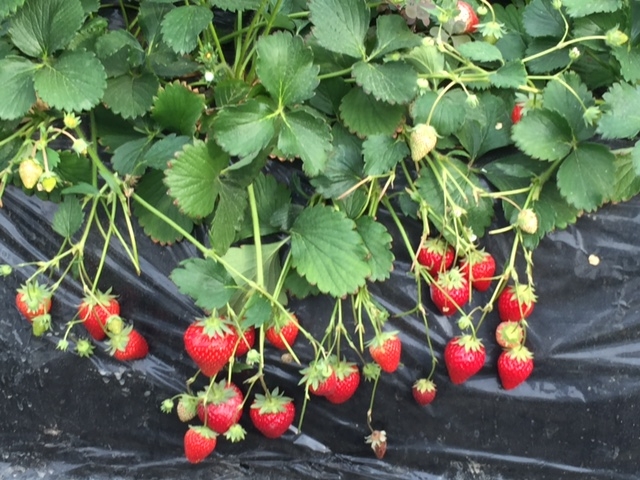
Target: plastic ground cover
[(575, 418)]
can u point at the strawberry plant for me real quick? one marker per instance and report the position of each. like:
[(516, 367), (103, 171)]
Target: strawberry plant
[(290, 151)]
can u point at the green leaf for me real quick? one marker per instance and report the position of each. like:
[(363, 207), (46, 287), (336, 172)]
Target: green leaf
[(131, 96), (258, 311), (164, 150), (382, 153), (236, 5), (128, 157), (285, 67), (75, 82), (273, 201), (41, 27), (119, 52), (392, 82), (113, 130), (178, 108), (580, 8), (89, 34), (68, 217), (232, 202), (427, 59), (586, 177), (392, 34), (480, 51), (340, 25), (17, 94), (629, 58), (448, 114), (511, 46), (378, 241), (90, 6), (150, 17), (365, 115), (549, 62), (231, 91), (558, 98), (328, 251), (152, 190), (540, 19), (627, 184), (182, 25), (481, 131), (510, 75), (622, 116), (9, 6), (543, 134), (74, 169), (635, 157), (191, 177), (328, 96), (206, 281), (308, 137), (298, 286), (245, 129)]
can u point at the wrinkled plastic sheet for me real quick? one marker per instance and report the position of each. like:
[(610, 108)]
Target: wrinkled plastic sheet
[(575, 418)]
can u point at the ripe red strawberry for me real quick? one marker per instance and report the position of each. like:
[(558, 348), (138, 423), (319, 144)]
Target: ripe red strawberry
[(450, 291), (516, 303), (385, 349), (424, 391), (467, 20), (210, 343), (478, 267), (128, 345), (509, 334), (436, 255), (320, 377), (220, 406), (348, 379), (199, 442), (33, 300), (272, 414), (464, 357), (246, 342), (95, 310), (516, 113), (515, 366), (284, 329)]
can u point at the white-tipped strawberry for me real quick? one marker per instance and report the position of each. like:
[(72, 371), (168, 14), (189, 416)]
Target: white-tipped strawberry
[(465, 22), (422, 140), (527, 221)]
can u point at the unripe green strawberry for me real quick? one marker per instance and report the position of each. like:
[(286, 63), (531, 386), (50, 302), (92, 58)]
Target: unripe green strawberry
[(48, 182), (30, 172), (527, 221), (187, 408), (422, 140)]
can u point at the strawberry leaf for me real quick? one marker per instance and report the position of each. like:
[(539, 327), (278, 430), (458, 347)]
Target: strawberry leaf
[(480, 51), (382, 153), (479, 132), (164, 150), (178, 108), (327, 250), (426, 59), (273, 201), (554, 60), (128, 158), (258, 311), (42, 27), (131, 96), (244, 130), (558, 98), (340, 26), (392, 34), (622, 117), (544, 135), (191, 177), (232, 202), (75, 81), (182, 25), (17, 94), (627, 184), (580, 8), (236, 5), (510, 75), (378, 241), (391, 82), (540, 19), (9, 6), (365, 115), (206, 281), (68, 217), (629, 58), (119, 52), (448, 114), (586, 177), (307, 136), (152, 189), (285, 67)]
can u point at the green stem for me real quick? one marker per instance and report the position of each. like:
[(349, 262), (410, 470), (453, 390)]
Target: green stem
[(562, 45), (255, 220)]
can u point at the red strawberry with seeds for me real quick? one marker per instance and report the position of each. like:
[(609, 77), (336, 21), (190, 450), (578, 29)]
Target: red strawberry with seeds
[(272, 414), (479, 267), (347, 381), (450, 291), (516, 113), (424, 391), (128, 345), (246, 342), (467, 18), (95, 311), (220, 406), (320, 377), (386, 349), (515, 366), (283, 332), (436, 255), (516, 303), (464, 357), (33, 300), (210, 343), (199, 442), (509, 334)]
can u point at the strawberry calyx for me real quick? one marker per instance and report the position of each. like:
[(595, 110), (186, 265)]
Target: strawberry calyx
[(520, 354), (217, 393), (273, 402), (235, 433), (204, 431), (473, 258), (99, 298), (452, 280), (316, 374), (436, 245), (215, 326), (523, 294), (509, 334), (281, 320), (381, 339), (84, 348), (424, 385), (34, 295), (119, 341), (470, 343), (342, 369)]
